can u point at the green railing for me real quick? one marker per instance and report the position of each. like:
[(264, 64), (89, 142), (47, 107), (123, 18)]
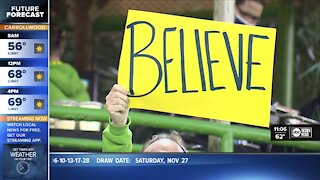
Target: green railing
[(227, 132)]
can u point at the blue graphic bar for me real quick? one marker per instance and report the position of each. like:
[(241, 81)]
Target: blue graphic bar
[(24, 89), (184, 166), (26, 62)]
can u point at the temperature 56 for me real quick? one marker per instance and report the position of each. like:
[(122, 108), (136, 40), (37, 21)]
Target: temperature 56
[(16, 73), (16, 45), (16, 101)]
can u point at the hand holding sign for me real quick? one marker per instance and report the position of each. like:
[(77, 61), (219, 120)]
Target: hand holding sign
[(117, 105), (198, 67)]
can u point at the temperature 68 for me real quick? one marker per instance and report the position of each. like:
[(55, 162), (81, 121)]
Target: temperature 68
[(17, 73), (16, 101), (17, 46)]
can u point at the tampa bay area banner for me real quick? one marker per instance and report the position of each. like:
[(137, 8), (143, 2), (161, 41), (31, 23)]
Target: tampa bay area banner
[(198, 67)]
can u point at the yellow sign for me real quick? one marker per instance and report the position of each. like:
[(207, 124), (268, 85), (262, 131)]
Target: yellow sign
[(198, 67)]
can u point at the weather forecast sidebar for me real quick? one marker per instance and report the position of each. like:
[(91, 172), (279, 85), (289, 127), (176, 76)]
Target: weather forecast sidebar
[(24, 77)]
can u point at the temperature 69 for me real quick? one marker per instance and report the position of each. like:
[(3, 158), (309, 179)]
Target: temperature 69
[(16, 101)]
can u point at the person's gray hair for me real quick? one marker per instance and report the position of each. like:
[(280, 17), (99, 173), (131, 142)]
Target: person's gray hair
[(173, 136)]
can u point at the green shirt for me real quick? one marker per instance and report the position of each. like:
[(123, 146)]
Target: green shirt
[(117, 139), (65, 83)]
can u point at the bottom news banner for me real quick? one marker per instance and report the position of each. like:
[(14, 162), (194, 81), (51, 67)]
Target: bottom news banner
[(183, 166)]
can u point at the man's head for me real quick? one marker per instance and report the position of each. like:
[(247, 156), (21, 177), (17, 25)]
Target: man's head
[(165, 143), (248, 11)]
